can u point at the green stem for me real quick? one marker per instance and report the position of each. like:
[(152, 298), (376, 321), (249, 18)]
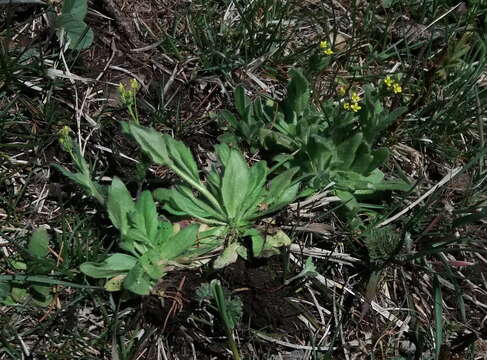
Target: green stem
[(199, 187), (232, 343)]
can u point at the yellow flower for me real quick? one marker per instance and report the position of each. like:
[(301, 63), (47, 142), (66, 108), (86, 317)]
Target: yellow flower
[(342, 90), (355, 107), (396, 88), (388, 81), (328, 51), (121, 88), (355, 97), (346, 106), (324, 44), (134, 84)]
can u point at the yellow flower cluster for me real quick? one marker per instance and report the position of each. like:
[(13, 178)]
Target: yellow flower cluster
[(65, 140), (325, 47), (392, 85), (128, 95), (353, 105)]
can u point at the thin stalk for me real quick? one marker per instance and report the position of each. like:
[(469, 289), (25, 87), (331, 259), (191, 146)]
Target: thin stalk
[(198, 186), (232, 343)]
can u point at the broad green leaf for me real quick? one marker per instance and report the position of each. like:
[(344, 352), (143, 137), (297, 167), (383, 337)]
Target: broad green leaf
[(19, 294), (40, 266), (179, 243), (235, 184), (228, 256), (229, 118), (258, 177), (4, 290), (274, 242), (214, 183), (363, 160), (347, 150), (78, 178), (297, 98), (115, 283), (151, 262), (114, 265), (379, 159), (18, 265), (41, 292), (39, 244), (146, 211), (77, 8), (223, 154), (80, 35), (241, 100), (183, 202), (119, 205), (280, 184), (150, 141), (285, 198), (135, 235), (164, 232), (183, 159), (348, 199), (138, 281)]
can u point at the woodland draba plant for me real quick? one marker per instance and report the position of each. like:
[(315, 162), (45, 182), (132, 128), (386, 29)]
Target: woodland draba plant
[(224, 210), (153, 244), (326, 143), (232, 197)]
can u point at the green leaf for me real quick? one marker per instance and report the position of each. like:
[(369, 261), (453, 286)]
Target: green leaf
[(349, 200), (119, 205), (235, 184), (114, 265), (258, 177), (241, 100), (223, 154), (182, 157), (39, 244), (18, 265), (150, 141), (164, 232), (229, 118), (228, 256), (280, 184), (182, 202), (146, 215), (285, 198), (297, 99), (151, 262), (19, 294), (4, 290), (138, 281), (80, 35), (115, 283), (274, 242), (179, 243), (438, 310), (79, 178), (77, 8), (42, 294), (347, 151)]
